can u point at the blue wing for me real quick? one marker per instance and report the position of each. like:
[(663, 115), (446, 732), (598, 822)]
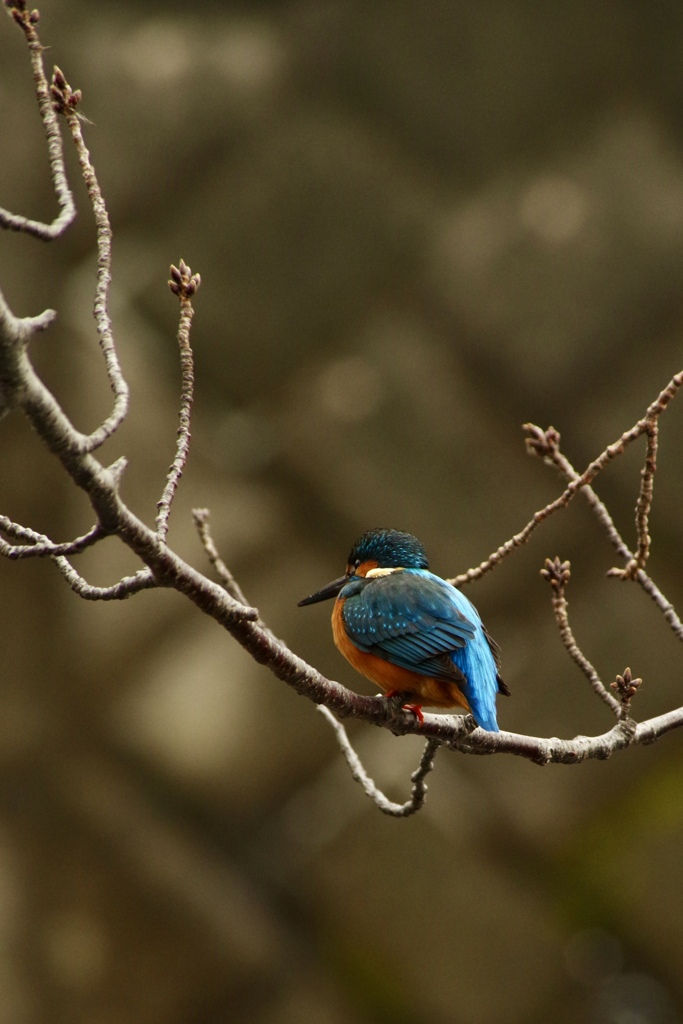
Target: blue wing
[(421, 623), (411, 619)]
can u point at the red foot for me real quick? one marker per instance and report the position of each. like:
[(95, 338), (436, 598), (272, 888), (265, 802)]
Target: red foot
[(415, 708), (417, 711)]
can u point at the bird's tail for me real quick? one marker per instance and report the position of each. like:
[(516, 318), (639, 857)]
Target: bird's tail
[(481, 683)]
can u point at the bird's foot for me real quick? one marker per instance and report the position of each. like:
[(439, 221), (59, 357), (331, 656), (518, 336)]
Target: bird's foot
[(415, 708)]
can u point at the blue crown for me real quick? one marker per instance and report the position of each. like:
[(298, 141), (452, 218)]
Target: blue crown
[(391, 549)]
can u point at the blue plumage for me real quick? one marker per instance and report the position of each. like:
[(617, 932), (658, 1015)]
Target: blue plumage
[(411, 631)]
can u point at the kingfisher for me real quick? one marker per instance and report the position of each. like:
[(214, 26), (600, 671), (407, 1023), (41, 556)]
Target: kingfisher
[(411, 632)]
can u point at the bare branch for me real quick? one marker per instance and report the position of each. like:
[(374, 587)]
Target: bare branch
[(126, 587), (40, 545), (184, 284), (201, 521), (551, 454), (28, 22), (643, 506), (582, 748), (557, 573), (66, 101), (556, 751), (39, 549), (536, 443), (387, 806), (457, 732)]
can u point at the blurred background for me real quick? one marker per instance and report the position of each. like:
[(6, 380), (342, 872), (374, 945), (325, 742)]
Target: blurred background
[(418, 226)]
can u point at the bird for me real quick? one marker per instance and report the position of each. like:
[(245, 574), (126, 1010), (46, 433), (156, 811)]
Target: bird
[(411, 632)]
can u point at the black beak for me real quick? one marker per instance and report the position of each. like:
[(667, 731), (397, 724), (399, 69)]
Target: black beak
[(331, 590)]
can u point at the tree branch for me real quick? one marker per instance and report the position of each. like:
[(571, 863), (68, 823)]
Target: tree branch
[(557, 574), (419, 790), (536, 439), (644, 503), (201, 521), (545, 444), (184, 285), (66, 102), (42, 549), (28, 22)]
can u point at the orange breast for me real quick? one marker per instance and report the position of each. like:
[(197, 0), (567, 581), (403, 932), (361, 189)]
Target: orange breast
[(433, 693)]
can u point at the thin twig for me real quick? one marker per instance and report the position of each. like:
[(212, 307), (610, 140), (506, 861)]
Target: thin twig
[(143, 579), (28, 22), (184, 284), (201, 521), (557, 573), (66, 101), (538, 437), (40, 544), (643, 505), (43, 550), (551, 454), (418, 777)]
